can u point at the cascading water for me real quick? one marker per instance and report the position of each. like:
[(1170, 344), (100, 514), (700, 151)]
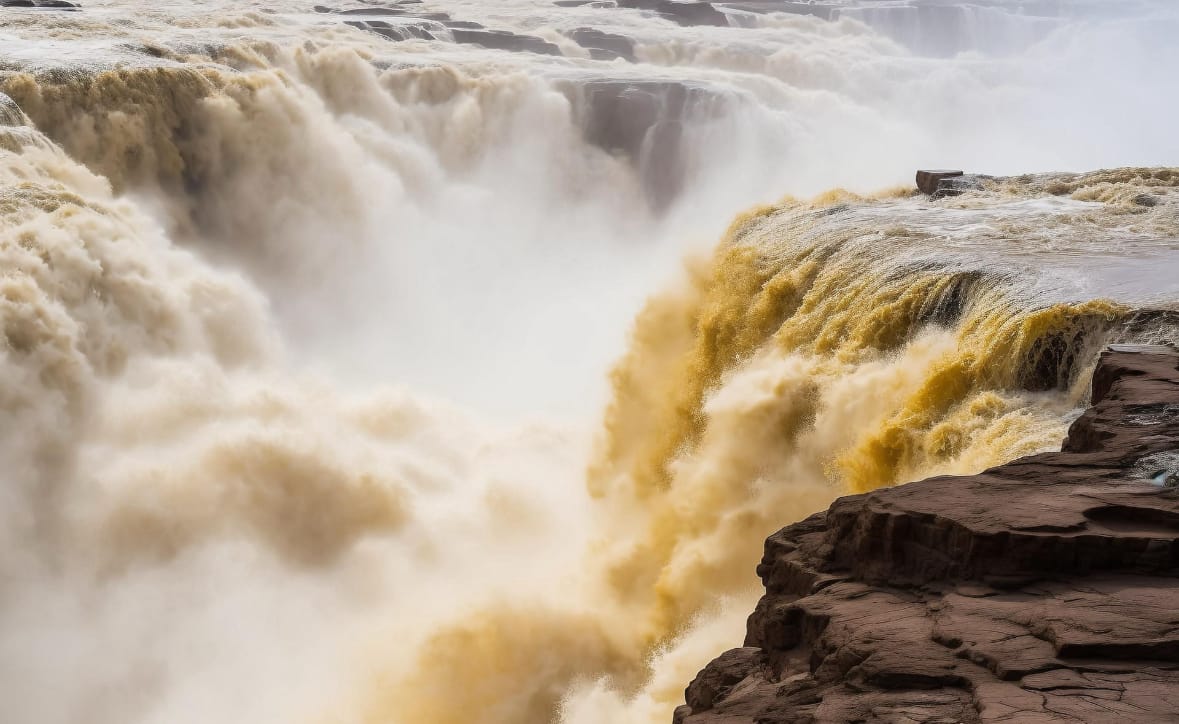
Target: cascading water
[(308, 331)]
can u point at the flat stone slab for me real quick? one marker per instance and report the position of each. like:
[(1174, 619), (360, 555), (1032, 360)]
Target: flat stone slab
[(1144, 348)]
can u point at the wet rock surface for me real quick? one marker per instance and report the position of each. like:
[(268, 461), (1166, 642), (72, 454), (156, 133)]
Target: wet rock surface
[(644, 121), (413, 23), (401, 31), (40, 4), (1044, 590), (826, 12), (603, 45), (504, 40), (683, 13)]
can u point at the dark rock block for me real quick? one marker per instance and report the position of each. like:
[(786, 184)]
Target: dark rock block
[(393, 9), (431, 25), (693, 14), (399, 32), (396, 12), (619, 115), (683, 13), (504, 40), (927, 181), (604, 46), (41, 4), (826, 12), (1040, 587), (644, 121)]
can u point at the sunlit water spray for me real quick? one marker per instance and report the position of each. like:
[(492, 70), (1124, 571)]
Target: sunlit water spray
[(308, 335)]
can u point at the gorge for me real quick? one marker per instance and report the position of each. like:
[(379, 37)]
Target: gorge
[(451, 361)]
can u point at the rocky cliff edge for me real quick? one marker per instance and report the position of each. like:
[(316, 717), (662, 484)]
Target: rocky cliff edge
[(1044, 590)]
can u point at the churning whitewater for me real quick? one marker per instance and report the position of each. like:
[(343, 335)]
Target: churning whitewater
[(377, 362)]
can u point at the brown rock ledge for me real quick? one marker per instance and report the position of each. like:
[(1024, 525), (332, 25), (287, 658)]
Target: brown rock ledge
[(1043, 590)]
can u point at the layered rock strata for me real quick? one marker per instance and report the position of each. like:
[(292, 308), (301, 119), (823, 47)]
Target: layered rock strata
[(1043, 590)]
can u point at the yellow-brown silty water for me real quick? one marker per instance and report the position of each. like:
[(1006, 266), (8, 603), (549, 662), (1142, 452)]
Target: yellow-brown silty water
[(803, 360)]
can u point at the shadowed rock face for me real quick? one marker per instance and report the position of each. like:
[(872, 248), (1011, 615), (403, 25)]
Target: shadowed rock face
[(604, 46), (683, 13), (1044, 590), (461, 31), (44, 4), (826, 12), (928, 181), (504, 40), (644, 121), (395, 9), (393, 32)]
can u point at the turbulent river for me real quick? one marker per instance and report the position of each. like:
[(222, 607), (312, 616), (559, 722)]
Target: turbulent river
[(384, 366)]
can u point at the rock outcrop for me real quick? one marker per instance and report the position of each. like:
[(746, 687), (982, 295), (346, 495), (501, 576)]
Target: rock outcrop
[(940, 184), (415, 24), (1044, 590), (401, 31), (504, 40), (644, 121), (604, 46), (929, 182), (40, 4), (682, 13)]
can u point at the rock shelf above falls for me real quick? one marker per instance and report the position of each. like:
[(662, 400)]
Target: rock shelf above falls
[(1043, 590)]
